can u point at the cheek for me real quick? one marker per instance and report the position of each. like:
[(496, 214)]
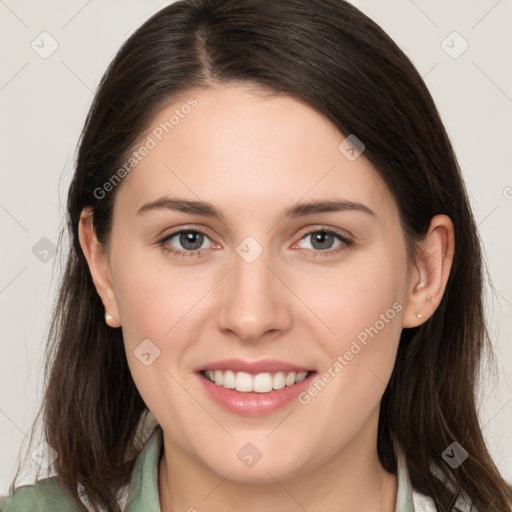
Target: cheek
[(362, 308), (159, 323), (149, 306), (162, 311), (154, 298), (359, 303)]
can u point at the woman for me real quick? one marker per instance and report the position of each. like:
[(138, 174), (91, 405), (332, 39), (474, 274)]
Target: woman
[(283, 374)]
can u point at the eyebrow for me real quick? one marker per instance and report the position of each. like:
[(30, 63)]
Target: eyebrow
[(207, 209)]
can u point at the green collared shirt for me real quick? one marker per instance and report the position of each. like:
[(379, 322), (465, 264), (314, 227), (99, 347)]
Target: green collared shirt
[(48, 495)]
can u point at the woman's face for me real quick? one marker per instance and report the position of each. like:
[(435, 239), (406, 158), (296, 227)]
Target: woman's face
[(248, 287)]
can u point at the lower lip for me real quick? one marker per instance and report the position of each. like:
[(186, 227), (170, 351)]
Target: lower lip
[(252, 403)]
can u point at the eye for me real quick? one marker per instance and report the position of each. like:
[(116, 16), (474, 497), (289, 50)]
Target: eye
[(322, 241), (190, 239)]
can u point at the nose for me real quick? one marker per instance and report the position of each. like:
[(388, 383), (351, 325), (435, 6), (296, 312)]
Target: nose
[(253, 300)]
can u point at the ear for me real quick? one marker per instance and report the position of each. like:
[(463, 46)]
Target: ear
[(97, 259), (432, 269)]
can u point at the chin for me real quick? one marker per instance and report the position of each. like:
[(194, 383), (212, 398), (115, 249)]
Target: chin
[(258, 470)]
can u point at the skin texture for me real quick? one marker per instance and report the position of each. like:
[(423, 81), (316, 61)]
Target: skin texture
[(253, 155)]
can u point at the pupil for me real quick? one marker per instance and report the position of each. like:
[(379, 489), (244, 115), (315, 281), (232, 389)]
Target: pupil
[(188, 238), (321, 237)]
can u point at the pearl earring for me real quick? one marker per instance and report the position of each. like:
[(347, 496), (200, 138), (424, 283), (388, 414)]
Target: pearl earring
[(419, 315), (108, 317)]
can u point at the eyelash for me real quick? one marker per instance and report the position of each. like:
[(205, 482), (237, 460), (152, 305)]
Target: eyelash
[(346, 242)]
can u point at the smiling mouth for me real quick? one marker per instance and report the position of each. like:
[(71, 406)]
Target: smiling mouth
[(260, 383)]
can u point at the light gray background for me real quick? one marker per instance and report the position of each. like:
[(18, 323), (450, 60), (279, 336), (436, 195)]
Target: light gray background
[(43, 103)]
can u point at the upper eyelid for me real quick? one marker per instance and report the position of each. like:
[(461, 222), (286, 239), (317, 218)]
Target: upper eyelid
[(336, 231)]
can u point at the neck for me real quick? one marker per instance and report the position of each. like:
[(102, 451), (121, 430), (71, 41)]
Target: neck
[(352, 479)]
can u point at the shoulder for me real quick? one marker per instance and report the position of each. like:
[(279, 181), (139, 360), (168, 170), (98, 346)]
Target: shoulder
[(47, 495)]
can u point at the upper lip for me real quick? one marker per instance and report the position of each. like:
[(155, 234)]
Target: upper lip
[(253, 367)]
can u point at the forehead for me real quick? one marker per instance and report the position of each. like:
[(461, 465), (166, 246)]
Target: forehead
[(247, 150)]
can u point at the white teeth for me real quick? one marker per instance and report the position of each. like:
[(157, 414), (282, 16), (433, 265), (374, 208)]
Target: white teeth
[(301, 376), (261, 383), (243, 382), (229, 380), (290, 379), (279, 380)]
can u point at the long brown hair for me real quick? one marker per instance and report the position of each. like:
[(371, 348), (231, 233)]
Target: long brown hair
[(330, 55)]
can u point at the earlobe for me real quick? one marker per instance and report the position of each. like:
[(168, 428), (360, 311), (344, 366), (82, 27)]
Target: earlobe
[(432, 269), (97, 260)]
